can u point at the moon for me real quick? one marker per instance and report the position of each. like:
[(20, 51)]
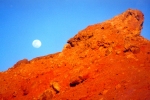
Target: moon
[(36, 43)]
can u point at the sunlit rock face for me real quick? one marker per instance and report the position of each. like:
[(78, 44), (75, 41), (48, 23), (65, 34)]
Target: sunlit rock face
[(105, 61)]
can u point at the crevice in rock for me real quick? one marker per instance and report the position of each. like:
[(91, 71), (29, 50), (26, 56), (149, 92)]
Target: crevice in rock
[(77, 81), (133, 49)]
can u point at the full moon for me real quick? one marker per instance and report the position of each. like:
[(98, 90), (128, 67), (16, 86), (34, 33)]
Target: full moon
[(36, 43)]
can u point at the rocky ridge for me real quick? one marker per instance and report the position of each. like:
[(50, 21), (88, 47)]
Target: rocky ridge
[(105, 61)]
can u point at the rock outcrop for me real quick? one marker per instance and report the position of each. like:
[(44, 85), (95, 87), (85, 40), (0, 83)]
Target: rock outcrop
[(105, 61)]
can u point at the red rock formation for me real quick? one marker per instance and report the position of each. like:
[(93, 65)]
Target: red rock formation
[(105, 61)]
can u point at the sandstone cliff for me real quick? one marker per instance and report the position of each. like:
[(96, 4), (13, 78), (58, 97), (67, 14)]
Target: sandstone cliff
[(105, 61)]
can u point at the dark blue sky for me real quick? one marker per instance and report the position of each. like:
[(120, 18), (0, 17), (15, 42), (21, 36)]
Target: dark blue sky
[(54, 22)]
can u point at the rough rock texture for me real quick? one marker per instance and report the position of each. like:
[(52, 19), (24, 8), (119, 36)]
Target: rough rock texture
[(105, 61)]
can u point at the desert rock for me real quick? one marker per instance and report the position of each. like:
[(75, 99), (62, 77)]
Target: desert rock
[(104, 61)]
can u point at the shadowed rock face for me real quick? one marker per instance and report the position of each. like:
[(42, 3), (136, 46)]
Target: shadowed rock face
[(105, 61)]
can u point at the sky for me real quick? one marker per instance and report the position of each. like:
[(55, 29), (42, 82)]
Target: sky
[(54, 22)]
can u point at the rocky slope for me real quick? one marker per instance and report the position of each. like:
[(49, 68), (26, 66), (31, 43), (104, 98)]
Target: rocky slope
[(105, 61)]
